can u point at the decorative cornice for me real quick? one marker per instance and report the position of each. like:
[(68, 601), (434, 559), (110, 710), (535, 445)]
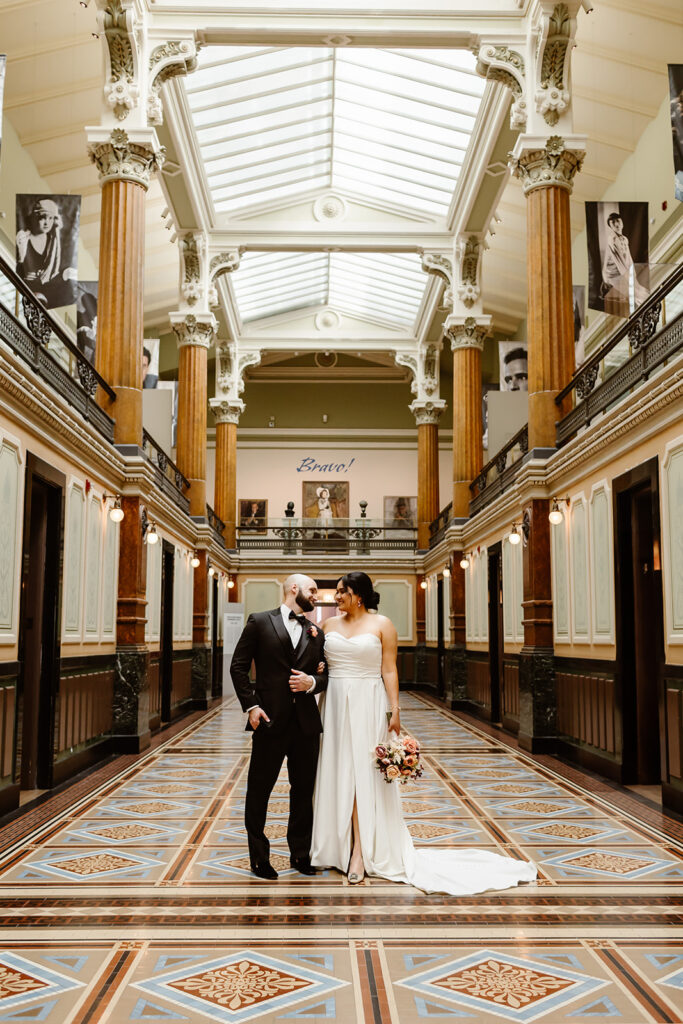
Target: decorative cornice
[(427, 413), (502, 64), (469, 249), (468, 333), (172, 59), (122, 87), (194, 330), (551, 95), (191, 268), (226, 410), (539, 165), (123, 156)]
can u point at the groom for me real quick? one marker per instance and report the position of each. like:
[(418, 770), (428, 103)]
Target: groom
[(283, 714)]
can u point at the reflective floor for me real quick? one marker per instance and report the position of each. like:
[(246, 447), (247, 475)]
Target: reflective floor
[(129, 897)]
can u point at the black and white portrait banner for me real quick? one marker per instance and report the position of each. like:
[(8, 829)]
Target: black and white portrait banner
[(676, 96), (86, 318), (618, 254), (47, 246)]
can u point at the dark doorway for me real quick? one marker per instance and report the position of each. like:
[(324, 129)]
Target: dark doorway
[(440, 646), (39, 622), (216, 662), (495, 629), (166, 638), (639, 623)]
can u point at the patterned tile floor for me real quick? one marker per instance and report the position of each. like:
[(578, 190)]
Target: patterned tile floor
[(130, 898)]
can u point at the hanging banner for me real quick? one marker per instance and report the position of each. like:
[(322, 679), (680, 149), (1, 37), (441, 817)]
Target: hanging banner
[(150, 362), (618, 254), (86, 318), (579, 299), (676, 95), (514, 366), (47, 246), (3, 67)]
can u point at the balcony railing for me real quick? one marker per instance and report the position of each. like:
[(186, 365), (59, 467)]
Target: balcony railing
[(168, 477), (342, 536), (37, 337), (216, 524), (634, 351), (437, 528), (500, 471)]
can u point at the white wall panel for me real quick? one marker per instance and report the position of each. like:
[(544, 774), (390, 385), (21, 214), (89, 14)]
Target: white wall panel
[(11, 503), (672, 539), (74, 548), (579, 570), (602, 563), (397, 603), (560, 577)]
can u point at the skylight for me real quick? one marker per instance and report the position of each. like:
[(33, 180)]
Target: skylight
[(382, 287), (388, 126)]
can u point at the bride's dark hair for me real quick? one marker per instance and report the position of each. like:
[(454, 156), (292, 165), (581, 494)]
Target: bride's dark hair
[(361, 584)]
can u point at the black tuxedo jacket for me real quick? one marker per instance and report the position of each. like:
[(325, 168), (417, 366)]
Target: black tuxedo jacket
[(266, 641)]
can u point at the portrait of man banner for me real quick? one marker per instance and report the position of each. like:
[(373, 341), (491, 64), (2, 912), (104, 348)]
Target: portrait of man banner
[(676, 97), (150, 362), (618, 254), (513, 365), (253, 515), (86, 318), (47, 246)]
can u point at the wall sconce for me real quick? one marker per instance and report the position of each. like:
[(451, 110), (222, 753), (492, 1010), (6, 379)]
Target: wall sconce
[(231, 583), (149, 529), (423, 584), (556, 515), (116, 513), (212, 571), (446, 573), (515, 536), (194, 561), (465, 560)]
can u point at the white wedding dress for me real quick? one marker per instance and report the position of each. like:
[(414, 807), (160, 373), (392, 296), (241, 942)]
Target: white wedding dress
[(354, 722)]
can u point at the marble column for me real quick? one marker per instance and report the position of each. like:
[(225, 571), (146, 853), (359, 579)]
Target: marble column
[(126, 161), (546, 169), (195, 334), (427, 419), (227, 416), (467, 342)]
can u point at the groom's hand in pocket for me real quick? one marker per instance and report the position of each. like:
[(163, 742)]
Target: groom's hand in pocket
[(255, 716)]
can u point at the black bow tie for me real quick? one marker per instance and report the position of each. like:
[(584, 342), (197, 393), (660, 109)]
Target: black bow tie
[(301, 619)]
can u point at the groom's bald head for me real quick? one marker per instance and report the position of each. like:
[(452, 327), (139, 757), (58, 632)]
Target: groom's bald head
[(301, 590)]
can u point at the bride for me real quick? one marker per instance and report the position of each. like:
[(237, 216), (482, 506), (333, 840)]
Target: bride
[(358, 824)]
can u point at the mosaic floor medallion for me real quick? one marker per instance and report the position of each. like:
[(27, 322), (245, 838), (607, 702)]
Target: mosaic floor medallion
[(240, 987), (22, 981)]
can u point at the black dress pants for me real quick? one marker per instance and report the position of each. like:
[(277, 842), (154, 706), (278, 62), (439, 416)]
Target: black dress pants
[(268, 751)]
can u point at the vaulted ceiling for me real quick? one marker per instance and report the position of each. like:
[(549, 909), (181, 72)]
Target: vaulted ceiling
[(347, 156)]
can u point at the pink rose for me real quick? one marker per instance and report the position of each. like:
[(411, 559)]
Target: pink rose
[(386, 760), (393, 772), (381, 750), (312, 631), (410, 745)]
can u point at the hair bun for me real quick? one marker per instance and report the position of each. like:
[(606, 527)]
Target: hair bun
[(375, 599)]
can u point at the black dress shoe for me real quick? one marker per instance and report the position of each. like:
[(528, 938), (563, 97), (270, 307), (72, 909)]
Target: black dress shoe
[(303, 865), (264, 869)]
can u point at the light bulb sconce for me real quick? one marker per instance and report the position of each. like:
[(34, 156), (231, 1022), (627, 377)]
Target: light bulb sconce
[(149, 528), (116, 513), (231, 583), (212, 571), (446, 573), (556, 515), (520, 531), (423, 584), (194, 561), (465, 560)]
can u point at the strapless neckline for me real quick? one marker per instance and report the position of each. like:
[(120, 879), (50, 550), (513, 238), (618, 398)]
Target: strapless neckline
[(335, 632)]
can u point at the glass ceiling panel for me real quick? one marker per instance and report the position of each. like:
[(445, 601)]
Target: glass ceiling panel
[(385, 125), (384, 287)]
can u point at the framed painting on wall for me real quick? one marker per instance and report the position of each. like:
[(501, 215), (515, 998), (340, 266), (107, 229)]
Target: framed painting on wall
[(400, 511), (325, 501), (253, 515)]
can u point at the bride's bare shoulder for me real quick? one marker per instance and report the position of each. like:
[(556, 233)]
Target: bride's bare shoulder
[(385, 624), (330, 625)]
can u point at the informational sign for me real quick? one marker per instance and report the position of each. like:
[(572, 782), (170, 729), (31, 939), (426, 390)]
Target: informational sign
[(233, 624)]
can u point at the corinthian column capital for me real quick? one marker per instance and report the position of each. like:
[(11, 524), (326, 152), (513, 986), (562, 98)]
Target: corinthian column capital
[(226, 410), (467, 332), (121, 155), (427, 412), (539, 162), (191, 329)]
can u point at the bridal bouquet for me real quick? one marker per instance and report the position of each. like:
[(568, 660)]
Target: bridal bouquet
[(399, 759)]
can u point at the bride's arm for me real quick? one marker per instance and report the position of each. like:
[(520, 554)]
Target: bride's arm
[(389, 639)]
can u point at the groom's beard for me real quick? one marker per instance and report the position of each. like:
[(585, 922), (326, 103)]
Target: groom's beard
[(304, 603)]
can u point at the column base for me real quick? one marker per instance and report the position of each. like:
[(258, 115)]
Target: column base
[(130, 710), (543, 415), (461, 499), (537, 699), (201, 677)]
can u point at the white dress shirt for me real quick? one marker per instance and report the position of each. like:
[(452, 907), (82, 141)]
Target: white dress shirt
[(295, 629)]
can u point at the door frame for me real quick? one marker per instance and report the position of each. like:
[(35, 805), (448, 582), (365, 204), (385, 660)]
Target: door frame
[(495, 623), (51, 634), (166, 631), (647, 473)]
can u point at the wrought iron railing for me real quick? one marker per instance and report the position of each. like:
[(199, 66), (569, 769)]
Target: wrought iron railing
[(647, 348), (342, 536), (437, 528), (216, 524), (169, 478), (500, 471), (37, 337)]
